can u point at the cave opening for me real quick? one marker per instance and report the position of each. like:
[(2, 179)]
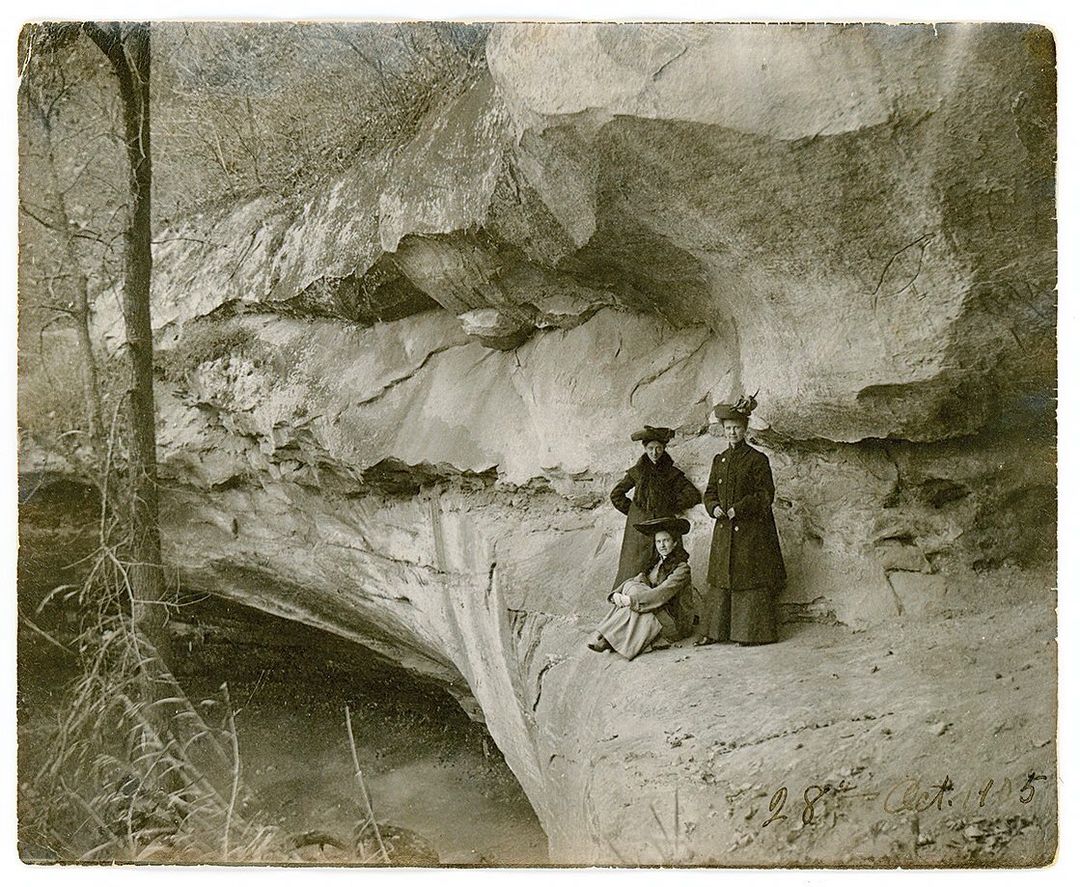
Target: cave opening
[(431, 771)]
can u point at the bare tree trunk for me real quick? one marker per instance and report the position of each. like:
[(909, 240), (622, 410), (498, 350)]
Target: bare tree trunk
[(167, 718), (127, 47), (61, 224)]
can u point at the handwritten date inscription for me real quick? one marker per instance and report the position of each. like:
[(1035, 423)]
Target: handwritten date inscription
[(905, 796), (811, 795), (909, 796)]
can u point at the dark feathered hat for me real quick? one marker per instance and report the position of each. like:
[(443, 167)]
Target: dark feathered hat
[(678, 526), (739, 411), (663, 435)]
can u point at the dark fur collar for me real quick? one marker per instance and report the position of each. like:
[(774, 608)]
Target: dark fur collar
[(663, 465)]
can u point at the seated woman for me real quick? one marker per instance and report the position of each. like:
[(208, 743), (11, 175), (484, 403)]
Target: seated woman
[(647, 605)]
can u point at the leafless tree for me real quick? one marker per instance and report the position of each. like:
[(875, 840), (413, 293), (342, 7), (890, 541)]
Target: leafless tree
[(44, 89), (127, 47), (279, 109)]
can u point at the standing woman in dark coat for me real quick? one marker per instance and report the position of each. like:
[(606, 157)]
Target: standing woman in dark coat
[(746, 568), (660, 490)]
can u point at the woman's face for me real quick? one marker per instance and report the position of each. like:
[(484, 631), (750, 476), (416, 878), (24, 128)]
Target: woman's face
[(665, 543), (734, 431), (654, 450)]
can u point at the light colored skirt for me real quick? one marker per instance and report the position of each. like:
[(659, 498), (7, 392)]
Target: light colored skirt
[(629, 633)]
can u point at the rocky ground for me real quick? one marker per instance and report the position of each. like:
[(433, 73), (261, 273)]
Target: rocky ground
[(709, 756), (920, 741)]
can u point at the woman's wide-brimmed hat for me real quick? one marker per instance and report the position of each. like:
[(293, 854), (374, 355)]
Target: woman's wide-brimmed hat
[(677, 526), (663, 435), (739, 411)]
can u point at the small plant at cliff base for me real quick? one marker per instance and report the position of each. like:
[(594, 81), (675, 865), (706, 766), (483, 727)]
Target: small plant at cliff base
[(378, 853), (116, 790)]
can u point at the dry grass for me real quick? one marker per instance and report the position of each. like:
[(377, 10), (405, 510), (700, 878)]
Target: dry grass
[(132, 770)]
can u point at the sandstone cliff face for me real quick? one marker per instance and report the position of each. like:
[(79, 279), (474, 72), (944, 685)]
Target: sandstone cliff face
[(396, 411)]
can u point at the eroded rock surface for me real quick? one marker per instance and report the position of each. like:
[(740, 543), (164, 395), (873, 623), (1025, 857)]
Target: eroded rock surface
[(396, 411)]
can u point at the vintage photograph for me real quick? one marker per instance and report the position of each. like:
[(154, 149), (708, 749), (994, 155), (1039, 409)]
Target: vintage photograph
[(524, 444)]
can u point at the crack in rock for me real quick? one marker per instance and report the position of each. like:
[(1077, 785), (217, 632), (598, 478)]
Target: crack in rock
[(652, 377), (393, 383), (551, 663), (725, 748)]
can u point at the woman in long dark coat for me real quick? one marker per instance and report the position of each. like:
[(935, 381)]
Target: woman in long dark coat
[(746, 567), (654, 603), (660, 490)]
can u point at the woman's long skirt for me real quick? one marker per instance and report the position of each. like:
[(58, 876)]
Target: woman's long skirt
[(628, 632), (637, 549), (745, 615)]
